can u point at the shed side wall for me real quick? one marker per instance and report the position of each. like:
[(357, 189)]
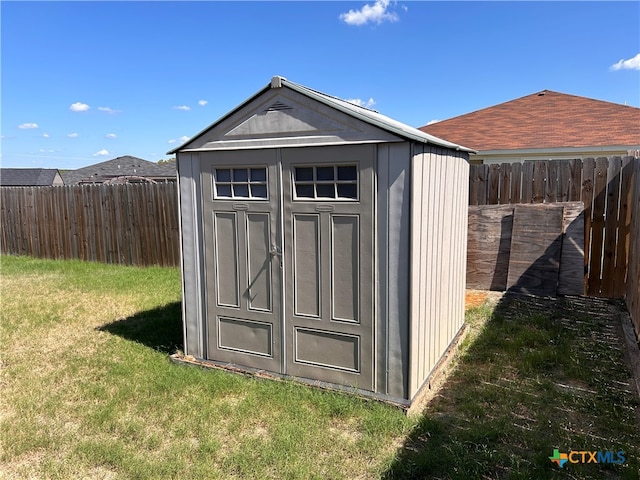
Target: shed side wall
[(392, 230), (192, 270), (439, 195)]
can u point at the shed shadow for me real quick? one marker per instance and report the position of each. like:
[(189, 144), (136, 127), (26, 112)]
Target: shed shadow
[(543, 372), (159, 328)]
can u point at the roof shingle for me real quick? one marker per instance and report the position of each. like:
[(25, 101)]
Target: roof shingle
[(27, 177), (545, 119)]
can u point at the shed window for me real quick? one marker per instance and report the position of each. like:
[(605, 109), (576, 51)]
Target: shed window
[(240, 183), (326, 182)]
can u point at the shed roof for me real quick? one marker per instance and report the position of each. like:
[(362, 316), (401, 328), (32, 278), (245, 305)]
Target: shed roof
[(543, 120), (366, 115), (27, 177), (120, 166)]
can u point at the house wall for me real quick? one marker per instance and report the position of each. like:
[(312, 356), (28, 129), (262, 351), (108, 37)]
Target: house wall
[(439, 195), (191, 248), (511, 156), (392, 266)]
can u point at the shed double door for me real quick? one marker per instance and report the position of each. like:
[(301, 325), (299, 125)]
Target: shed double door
[(289, 261)]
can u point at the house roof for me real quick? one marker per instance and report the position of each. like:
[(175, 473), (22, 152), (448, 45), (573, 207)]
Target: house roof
[(27, 177), (120, 167), (543, 120), (366, 115)]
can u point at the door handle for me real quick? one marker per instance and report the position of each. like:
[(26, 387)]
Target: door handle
[(275, 251)]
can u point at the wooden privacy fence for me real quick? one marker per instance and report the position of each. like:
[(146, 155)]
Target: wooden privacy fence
[(604, 185), (633, 276), (131, 224)]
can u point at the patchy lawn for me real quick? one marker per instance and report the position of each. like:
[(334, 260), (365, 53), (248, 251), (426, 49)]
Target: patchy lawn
[(540, 374), (88, 391)]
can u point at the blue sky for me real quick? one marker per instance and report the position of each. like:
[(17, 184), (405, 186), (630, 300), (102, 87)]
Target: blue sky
[(84, 82)]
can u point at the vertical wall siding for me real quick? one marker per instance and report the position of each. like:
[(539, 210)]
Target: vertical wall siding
[(438, 257), (392, 247), (191, 246)]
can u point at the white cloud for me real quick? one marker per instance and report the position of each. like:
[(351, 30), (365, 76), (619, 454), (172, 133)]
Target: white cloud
[(79, 107), (45, 135), (361, 103), (102, 153), (108, 110), (72, 135), (182, 107), (180, 140), (111, 135), (629, 64), (431, 122), (28, 126), (202, 103), (376, 13)]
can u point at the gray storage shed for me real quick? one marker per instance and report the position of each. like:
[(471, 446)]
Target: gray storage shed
[(323, 241)]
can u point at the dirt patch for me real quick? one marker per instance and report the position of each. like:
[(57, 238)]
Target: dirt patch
[(475, 298)]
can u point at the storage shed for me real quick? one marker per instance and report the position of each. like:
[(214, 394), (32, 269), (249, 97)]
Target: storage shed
[(323, 241)]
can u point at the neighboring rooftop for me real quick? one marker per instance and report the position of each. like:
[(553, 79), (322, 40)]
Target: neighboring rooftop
[(121, 167), (543, 120), (29, 177)]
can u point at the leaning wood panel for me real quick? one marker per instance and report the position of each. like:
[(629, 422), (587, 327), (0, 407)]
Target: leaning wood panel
[(536, 245), (571, 275), (488, 246)]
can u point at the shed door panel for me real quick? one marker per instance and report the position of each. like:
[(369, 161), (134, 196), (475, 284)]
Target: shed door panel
[(328, 207), (243, 278)]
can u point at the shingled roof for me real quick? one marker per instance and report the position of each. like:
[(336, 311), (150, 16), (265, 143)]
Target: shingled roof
[(120, 167), (29, 177), (543, 120)]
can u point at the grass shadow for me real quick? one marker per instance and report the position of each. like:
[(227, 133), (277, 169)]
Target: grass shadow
[(540, 374), (159, 328)]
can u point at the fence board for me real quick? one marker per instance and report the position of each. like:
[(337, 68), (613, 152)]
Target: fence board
[(597, 226), (610, 227), (633, 279), (538, 186), (624, 224), (551, 193), (126, 224), (516, 183)]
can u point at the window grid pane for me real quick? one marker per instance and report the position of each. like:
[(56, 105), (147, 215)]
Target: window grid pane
[(326, 182), (246, 183)]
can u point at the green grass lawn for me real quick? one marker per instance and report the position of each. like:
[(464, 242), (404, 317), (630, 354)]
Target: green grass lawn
[(88, 391)]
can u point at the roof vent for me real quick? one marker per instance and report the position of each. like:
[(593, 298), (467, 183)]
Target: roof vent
[(276, 82), (277, 107), (541, 94)]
